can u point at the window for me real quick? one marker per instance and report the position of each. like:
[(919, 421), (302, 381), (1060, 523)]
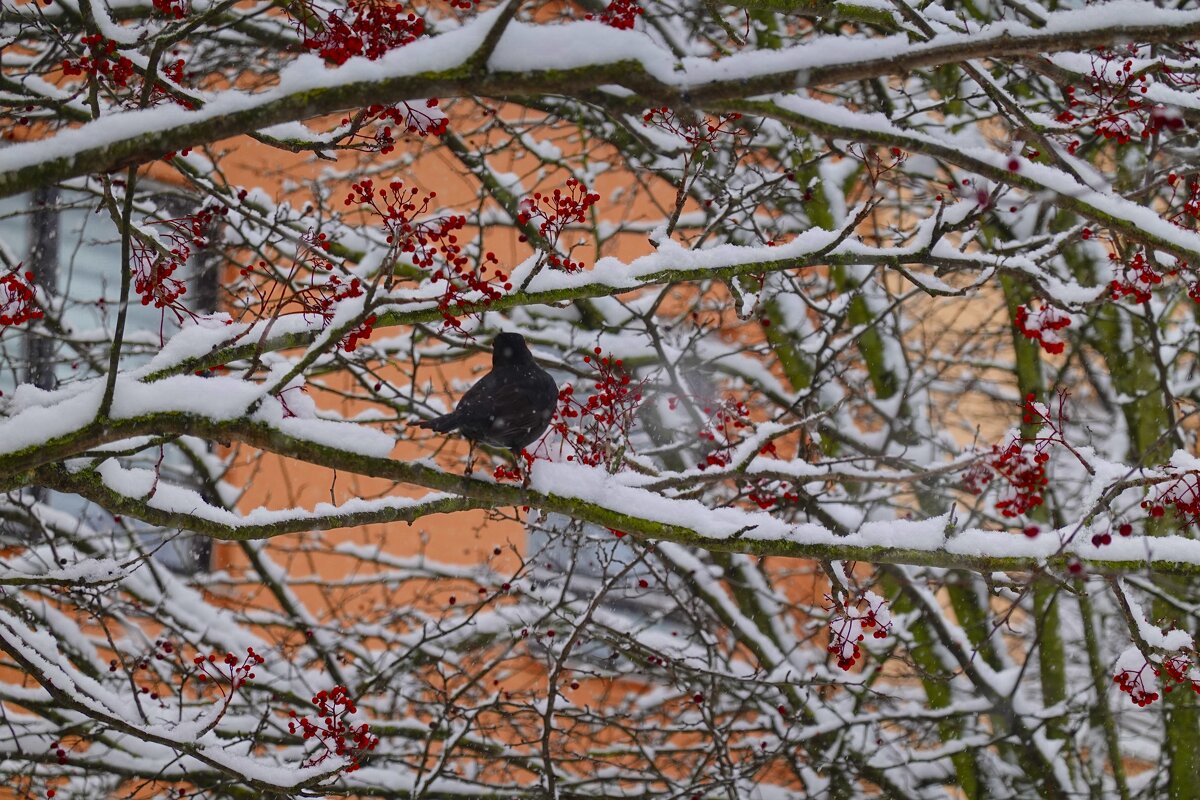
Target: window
[(73, 249)]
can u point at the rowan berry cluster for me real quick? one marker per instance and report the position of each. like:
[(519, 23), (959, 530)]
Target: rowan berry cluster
[(1190, 209), (726, 420), (400, 207), (18, 303), (1025, 471), (332, 730), (433, 243), (427, 121), (1178, 669), (1174, 671), (1133, 684), (503, 472), (977, 477), (768, 494), (1111, 103), (1042, 325), (1135, 279), (604, 418), (360, 333), (387, 122), (102, 63), (619, 14), (230, 669), (153, 276), (553, 212), (1022, 461), (849, 622), (159, 94), (154, 270), (1182, 494), (367, 28), (176, 9), (698, 135), (164, 650), (320, 297)]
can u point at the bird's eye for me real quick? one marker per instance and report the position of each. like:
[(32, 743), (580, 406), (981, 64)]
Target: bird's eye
[(506, 352)]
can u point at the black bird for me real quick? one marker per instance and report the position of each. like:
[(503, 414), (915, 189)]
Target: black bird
[(508, 407)]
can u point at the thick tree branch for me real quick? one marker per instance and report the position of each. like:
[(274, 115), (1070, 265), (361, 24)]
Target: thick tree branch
[(72, 153)]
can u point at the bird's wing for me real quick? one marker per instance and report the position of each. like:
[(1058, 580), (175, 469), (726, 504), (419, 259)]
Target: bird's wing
[(503, 405)]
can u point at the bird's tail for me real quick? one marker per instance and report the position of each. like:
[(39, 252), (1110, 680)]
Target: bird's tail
[(442, 424)]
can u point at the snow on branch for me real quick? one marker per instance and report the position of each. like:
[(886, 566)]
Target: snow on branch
[(445, 65)]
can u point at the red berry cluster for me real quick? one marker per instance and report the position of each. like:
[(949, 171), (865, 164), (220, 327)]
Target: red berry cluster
[(977, 477), (554, 212), (1133, 684), (847, 626), (1178, 668), (1136, 279), (1190, 210), (163, 650), (176, 9), (60, 752), (1024, 468), (619, 14), (430, 242), (1042, 326), (768, 494), (1111, 103), (193, 229), (1022, 462), (399, 208), (159, 94), (368, 28), (153, 276), (322, 298), (414, 120), (1174, 671), (503, 472), (361, 333), (335, 734), (102, 63), (316, 245), (422, 120), (604, 418), (698, 135), (18, 303), (236, 671), (1163, 118), (1183, 493), (725, 422)]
